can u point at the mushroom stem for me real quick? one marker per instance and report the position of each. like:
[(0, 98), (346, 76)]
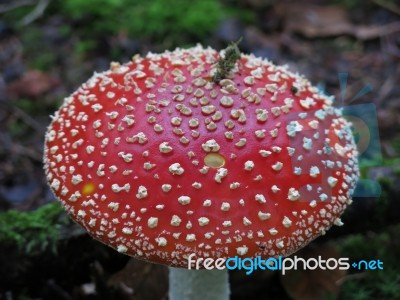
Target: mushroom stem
[(198, 284)]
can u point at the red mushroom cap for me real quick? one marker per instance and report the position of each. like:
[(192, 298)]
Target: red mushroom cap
[(158, 161)]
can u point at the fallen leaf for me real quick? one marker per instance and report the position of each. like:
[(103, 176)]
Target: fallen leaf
[(32, 84), (325, 21)]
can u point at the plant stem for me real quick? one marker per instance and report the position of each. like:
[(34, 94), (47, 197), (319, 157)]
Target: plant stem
[(198, 284)]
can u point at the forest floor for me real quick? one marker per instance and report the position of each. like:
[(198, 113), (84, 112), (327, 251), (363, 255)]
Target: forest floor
[(349, 51)]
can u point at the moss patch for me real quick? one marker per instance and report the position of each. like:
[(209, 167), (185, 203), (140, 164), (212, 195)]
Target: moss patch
[(373, 284), (32, 231)]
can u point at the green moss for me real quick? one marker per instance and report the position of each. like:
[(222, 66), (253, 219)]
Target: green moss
[(357, 247), (395, 143), (396, 170), (386, 183), (26, 105), (355, 292), (85, 46), (373, 284), (168, 22), (17, 128), (33, 42), (31, 231)]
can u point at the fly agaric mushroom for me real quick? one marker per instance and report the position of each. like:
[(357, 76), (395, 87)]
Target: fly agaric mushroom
[(171, 155)]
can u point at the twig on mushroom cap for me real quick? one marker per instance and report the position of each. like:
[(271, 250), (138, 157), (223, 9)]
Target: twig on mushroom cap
[(226, 64)]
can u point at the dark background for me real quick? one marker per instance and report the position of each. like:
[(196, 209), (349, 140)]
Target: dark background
[(350, 49)]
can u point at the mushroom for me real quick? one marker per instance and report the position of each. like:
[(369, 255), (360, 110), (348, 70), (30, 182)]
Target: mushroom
[(170, 156)]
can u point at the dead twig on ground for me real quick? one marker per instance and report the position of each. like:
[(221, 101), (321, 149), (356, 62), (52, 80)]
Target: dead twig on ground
[(25, 151), (31, 122), (388, 5), (36, 13)]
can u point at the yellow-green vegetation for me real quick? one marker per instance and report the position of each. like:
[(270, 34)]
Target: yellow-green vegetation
[(171, 22), (33, 231)]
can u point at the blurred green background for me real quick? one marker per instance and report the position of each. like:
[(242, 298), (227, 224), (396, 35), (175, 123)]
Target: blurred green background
[(49, 47)]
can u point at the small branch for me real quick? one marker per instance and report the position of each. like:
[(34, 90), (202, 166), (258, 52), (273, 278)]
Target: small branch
[(15, 4), (21, 114), (28, 119), (28, 152), (36, 13), (388, 5), (226, 64)]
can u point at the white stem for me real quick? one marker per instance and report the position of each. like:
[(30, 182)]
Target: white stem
[(198, 284)]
